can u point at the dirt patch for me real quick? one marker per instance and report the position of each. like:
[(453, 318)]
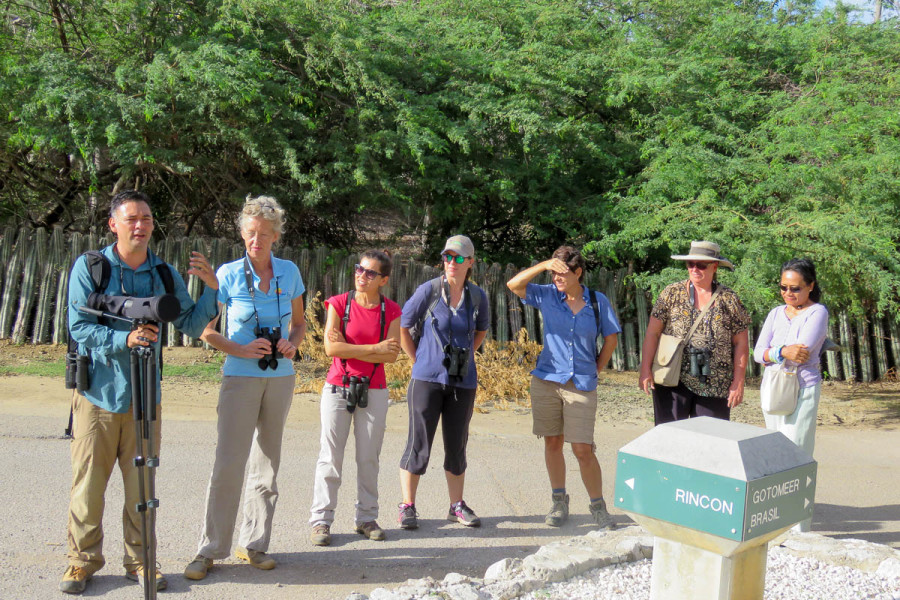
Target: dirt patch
[(847, 405)]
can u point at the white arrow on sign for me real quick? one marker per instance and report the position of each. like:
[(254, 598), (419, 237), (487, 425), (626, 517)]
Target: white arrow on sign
[(630, 482), (808, 480), (805, 502)]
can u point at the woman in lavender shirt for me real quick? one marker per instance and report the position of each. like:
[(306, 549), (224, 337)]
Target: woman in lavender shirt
[(794, 334)]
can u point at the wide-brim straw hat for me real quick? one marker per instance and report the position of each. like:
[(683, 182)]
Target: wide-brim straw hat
[(705, 251)]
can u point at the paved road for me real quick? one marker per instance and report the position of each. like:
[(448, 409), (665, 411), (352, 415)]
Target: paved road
[(506, 485)]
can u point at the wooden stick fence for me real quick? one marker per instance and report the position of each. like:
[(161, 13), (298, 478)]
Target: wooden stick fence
[(34, 268)]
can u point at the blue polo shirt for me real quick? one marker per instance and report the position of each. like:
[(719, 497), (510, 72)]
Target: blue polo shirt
[(569, 350), (274, 309), (106, 344), (456, 325)]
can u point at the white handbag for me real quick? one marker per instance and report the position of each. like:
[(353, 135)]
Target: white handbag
[(780, 390)]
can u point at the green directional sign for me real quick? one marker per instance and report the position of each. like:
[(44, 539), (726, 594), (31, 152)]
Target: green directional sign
[(680, 495), (724, 506), (779, 499)]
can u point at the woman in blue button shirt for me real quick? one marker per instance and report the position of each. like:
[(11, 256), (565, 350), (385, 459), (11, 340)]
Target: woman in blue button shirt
[(264, 325), (564, 382)]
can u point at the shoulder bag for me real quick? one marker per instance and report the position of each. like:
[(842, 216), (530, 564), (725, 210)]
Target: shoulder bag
[(666, 366), (780, 388)]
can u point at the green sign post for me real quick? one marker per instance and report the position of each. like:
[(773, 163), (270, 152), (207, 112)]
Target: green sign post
[(713, 493), (723, 506)]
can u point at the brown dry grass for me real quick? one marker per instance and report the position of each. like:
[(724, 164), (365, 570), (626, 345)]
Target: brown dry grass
[(503, 373)]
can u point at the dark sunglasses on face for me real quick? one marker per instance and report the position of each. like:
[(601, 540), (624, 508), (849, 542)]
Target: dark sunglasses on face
[(369, 273), (449, 258), (794, 289), (700, 266)]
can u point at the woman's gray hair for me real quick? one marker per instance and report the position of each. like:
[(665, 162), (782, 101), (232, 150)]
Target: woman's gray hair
[(264, 207)]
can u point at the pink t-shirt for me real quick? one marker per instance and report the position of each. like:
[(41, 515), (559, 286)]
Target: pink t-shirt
[(363, 328)]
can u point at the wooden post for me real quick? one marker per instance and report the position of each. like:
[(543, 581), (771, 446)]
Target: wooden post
[(13, 277), (833, 358), (514, 305), (879, 337), (865, 353), (632, 358), (51, 269), (37, 253), (612, 293), (847, 357)]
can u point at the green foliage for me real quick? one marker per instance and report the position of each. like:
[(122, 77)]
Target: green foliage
[(630, 127)]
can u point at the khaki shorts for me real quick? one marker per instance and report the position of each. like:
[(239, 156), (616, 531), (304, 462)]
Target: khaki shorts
[(563, 410)]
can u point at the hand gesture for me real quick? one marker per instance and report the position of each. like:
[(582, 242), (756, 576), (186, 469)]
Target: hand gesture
[(735, 393), (336, 337), (142, 335), (286, 348), (798, 353), (202, 269), (256, 349), (387, 346), (555, 265)]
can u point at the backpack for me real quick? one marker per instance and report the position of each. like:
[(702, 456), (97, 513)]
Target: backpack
[(434, 295), (100, 270)]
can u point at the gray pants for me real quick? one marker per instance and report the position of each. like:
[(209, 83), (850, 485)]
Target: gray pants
[(368, 432), (800, 427), (252, 413)]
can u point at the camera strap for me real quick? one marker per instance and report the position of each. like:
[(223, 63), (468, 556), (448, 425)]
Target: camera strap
[(468, 308), (703, 312), (248, 276), (345, 320)]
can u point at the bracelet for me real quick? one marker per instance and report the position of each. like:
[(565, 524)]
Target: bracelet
[(775, 354)]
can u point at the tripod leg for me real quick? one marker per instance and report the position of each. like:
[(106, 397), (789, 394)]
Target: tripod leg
[(138, 399), (150, 425)]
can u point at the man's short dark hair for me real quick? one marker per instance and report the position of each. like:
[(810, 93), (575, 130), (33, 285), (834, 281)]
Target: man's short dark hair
[(126, 196)]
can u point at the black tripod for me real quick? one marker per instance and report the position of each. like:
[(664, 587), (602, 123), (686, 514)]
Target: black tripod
[(144, 376), (143, 404)]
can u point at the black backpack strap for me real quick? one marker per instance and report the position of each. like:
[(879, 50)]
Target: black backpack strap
[(345, 320), (165, 274), (595, 304), (100, 271)]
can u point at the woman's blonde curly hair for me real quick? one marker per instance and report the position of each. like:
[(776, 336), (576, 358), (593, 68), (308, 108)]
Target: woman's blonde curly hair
[(264, 207)]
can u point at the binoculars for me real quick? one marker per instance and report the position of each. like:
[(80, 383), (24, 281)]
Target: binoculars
[(77, 375), (273, 334), (699, 363), (356, 391), (456, 361)]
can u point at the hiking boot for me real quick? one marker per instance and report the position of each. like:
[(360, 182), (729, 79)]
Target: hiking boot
[(198, 568), (559, 512), (320, 535), (74, 580), (407, 517), (371, 530), (257, 559), (461, 513), (138, 575), (600, 515)]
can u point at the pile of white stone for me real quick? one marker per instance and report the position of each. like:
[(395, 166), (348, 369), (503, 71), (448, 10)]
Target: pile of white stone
[(615, 565)]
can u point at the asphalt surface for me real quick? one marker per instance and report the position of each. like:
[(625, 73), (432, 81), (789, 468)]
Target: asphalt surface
[(506, 485)]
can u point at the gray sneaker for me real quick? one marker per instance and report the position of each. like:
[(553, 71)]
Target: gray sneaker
[(559, 512), (601, 515), (198, 568), (320, 535)]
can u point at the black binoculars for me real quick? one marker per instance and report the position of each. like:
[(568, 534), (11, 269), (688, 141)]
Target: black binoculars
[(356, 391), (273, 334), (456, 361), (699, 363), (77, 375)]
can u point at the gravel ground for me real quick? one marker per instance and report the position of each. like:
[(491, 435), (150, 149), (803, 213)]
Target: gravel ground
[(787, 578)]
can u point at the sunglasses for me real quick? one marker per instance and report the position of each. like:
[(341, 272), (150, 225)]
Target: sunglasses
[(700, 266), (369, 273), (449, 258), (794, 289)]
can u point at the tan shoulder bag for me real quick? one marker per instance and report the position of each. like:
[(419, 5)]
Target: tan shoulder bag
[(666, 367)]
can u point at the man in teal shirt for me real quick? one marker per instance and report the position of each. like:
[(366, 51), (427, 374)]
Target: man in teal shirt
[(103, 428)]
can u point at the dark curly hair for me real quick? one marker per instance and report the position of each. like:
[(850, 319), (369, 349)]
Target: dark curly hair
[(807, 270)]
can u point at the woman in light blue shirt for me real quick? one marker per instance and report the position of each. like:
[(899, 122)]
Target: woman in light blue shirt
[(265, 324), (564, 381)]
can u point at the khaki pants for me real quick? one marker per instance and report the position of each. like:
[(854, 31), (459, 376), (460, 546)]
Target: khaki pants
[(252, 413), (100, 439)]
